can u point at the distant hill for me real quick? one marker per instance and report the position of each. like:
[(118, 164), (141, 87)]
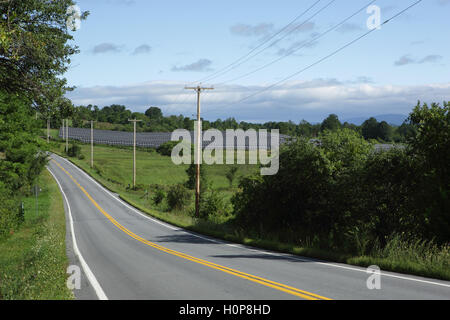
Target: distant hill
[(392, 119)]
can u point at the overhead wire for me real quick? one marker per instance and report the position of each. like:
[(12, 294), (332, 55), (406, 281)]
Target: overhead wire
[(322, 59), (232, 64), (300, 46)]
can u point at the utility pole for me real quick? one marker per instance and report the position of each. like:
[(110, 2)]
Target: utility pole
[(198, 89), (134, 151), (92, 143), (63, 133), (67, 135), (48, 129)]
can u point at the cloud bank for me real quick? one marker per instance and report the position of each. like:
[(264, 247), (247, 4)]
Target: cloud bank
[(310, 100)]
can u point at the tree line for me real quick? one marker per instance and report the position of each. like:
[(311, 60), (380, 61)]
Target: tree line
[(35, 52), (115, 117), (342, 195)]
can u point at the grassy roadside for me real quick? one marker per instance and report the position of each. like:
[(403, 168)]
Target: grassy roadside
[(421, 259), (33, 260)]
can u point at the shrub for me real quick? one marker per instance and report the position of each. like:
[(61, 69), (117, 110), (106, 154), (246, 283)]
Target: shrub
[(311, 195), (165, 149), (231, 174), (159, 196), (211, 204), (192, 172), (178, 197), (10, 214), (74, 150)]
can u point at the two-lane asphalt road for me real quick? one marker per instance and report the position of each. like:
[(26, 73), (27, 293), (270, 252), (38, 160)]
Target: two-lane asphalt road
[(125, 254)]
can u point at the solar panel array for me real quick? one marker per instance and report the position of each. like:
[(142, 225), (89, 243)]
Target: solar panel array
[(155, 139)]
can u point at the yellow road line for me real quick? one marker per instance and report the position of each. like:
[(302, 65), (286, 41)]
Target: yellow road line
[(250, 277)]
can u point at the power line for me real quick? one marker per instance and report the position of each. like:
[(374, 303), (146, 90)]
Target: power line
[(249, 57), (324, 58), (303, 45), (211, 76), (225, 69)]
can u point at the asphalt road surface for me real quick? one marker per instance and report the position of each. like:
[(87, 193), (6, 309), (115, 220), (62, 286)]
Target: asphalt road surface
[(125, 254)]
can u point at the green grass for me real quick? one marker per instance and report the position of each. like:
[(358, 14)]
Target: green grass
[(116, 169), (115, 165), (53, 133), (33, 259)]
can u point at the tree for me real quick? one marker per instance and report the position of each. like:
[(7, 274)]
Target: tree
[(34, 46), (34, 54), (431, 145), (192, 173), (369, 128), (22, 161), (331, 123), (154, 113), (231, 174), (385, 131), (372, 129)]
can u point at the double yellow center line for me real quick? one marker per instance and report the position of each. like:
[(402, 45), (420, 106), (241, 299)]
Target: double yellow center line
[(268, 283)]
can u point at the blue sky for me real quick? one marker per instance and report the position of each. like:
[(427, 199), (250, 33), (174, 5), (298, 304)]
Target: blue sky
[(142, 53)]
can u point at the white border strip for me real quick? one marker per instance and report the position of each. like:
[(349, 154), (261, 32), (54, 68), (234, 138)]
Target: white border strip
[(89, 274), (290, 256)]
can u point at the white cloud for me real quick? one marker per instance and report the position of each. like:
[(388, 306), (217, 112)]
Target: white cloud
[(106, 47), (310, 100), (245, 30), (201, 65), (142, 49)]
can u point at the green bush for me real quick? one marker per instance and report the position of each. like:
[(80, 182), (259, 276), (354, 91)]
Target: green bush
[(312, 193), (165, 149), (231, 174), (74, 151), (178, 197), (191, 172), (11, 215), (211, 204), (159, 196)]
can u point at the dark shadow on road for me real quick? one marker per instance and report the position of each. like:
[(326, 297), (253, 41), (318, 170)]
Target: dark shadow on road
[(184, 238), (262, 256)]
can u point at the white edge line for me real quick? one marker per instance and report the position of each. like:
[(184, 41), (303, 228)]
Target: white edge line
[(89, 274), (290, 256)]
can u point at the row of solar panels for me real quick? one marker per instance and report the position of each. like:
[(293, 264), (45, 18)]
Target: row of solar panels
[(155, 139)]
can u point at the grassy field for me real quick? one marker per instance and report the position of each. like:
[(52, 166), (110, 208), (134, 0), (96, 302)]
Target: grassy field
[(114, 171), (33, 259), (114, 167)]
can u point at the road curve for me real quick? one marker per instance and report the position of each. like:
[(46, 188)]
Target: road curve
[(127, 255)]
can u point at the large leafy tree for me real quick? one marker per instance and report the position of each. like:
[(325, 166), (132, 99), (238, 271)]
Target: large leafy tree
[(34, 54), (331, 123), (154, 113), (35, 49), (431, 147)]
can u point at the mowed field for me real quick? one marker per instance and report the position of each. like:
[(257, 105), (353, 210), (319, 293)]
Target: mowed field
[(153, 168), (113, 167)]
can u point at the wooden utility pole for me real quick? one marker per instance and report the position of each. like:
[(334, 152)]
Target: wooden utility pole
[(63, 133), (92, 143), (48, 130), (134, 151), (198, 89), (67, 135)]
